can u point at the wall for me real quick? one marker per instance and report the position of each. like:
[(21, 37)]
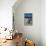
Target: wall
[(43, 22), (31, 32)]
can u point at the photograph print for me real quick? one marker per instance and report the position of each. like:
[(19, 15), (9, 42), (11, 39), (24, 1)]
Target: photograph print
[(27, 19)]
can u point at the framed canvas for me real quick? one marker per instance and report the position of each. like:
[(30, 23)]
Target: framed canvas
[(27, 19)]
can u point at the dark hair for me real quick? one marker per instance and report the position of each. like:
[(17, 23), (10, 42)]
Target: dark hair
[(34, 44)]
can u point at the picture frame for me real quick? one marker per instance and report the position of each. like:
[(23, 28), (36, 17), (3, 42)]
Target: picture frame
[(28, 19)]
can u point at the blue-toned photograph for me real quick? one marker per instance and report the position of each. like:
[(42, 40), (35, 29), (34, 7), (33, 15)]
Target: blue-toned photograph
[(27, 18)]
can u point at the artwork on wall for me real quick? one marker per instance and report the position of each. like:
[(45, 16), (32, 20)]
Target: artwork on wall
[(27, 19)]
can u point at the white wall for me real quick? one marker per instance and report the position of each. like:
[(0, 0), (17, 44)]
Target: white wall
[(43, 22), (31, 32)]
